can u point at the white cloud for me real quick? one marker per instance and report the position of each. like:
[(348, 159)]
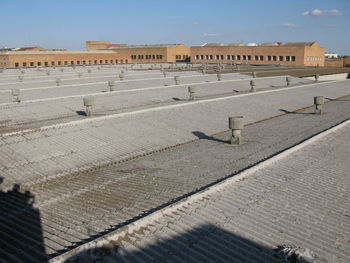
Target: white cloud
[(319, 12), (288, 25), (210, 34)]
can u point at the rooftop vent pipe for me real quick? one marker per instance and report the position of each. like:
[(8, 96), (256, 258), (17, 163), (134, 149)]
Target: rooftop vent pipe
[(58, 81), (236, 124), (121, 76), (288, 80), (318, 101), (252, 86), (192, 92), (218, 76), (88, 103), (111, 85), (317, 77), (15, 95)]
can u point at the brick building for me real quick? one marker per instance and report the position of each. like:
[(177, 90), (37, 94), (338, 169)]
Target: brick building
[(17, 59), (146, 53), (97, 45), (292, 54)]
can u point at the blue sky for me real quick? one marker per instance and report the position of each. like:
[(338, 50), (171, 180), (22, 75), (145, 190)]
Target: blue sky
[(69, 23)]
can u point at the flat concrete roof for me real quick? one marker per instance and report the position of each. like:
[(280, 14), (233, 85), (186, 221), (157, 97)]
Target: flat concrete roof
[(67, 179)]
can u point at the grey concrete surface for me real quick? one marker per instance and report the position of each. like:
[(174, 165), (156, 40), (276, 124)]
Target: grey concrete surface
[(37, 113), (301, 200), (80, 205)]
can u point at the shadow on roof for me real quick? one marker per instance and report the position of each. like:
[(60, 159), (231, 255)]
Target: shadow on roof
[(206, 243), (21, 235)]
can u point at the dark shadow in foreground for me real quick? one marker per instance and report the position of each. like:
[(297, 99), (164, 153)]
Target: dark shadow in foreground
[(206, 243), (331, 99), (81, 113), (296, 112), (21, 235), (202, 135)]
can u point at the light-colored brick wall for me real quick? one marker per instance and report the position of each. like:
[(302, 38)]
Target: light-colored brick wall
[(49, 58), (97, 45), (314, 55), (180, 53), (154, 54), (284, 55)]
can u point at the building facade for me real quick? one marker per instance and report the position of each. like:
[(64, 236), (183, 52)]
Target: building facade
[(145, 53), (97, 45), (292, 54), (19, 59), (154, 53)]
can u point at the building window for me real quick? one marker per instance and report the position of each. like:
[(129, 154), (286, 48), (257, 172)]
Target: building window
[(39, 63), (269, 58), (256, 57), (78, 62), (90, 62), (280, 58), (116, 61), (121, 61), (274, 58), (66, 63), (46, 64), (287, 58), (161, 56), (16, 65), (32, 64), (293, 58), (238, 57), (126, 61), (24, 64), (244, 57), (72, 62), (249, 57), (59, 63), (261, 58)]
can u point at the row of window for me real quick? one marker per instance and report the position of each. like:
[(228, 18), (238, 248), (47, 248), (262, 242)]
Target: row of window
[(65, 63), (146, 56), (312, 58), (183, 56), (245, 57), (157, 56)]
